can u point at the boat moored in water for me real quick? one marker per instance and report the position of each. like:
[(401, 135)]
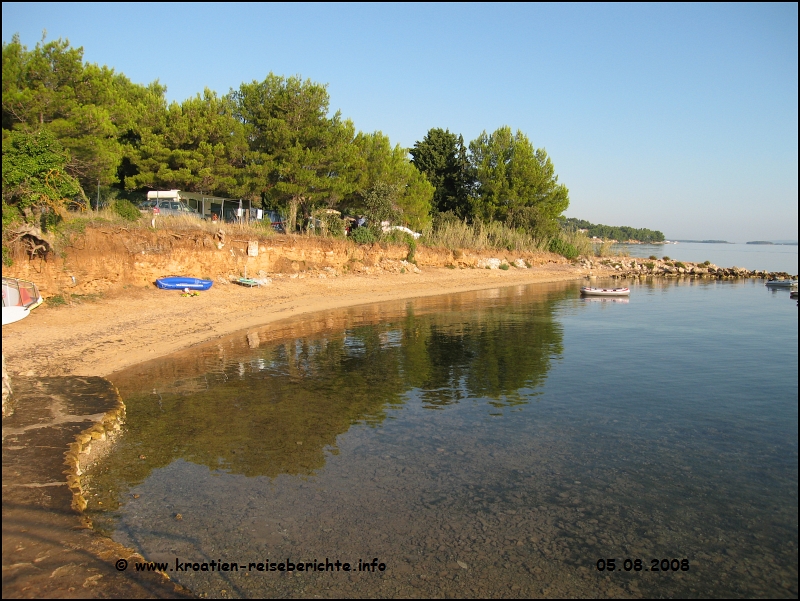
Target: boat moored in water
[(781, 283), (587, 291)]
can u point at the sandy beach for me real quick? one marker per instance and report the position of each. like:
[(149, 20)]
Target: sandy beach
[(122, 328)]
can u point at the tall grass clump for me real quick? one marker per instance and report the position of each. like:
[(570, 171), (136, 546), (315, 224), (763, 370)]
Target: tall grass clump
[(110, 216), (453, 235), (604, 249), (611, 249), (579, 240)]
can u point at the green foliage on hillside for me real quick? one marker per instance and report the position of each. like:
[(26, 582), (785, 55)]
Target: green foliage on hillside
[(34, 174), (611, 232)]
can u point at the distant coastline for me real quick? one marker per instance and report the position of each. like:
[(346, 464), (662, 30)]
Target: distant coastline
[(708, 241), (772, 243)]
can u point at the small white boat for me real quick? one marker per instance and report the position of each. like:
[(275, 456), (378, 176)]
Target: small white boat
[(12, 314), (19, 298), (781, 283), (605, 291)]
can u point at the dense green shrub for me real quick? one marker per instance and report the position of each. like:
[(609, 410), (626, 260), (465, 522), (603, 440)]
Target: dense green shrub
[(126, 210), (412, 249), (565, 249), (363, 235), (533, 221), (331, 224)]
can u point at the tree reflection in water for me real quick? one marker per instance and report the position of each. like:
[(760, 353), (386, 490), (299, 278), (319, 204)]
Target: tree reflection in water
[(274, 401)]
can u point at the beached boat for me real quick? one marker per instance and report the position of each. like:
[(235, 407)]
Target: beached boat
[(587, 291), (19, 298), (181, 283), (12, 314), (782, 283)]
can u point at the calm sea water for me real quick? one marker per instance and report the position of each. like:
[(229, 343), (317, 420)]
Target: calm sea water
[(767, 257), (500, 443)]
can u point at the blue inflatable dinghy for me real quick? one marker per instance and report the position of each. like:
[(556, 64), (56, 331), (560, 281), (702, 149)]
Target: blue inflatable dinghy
[(180, 283)]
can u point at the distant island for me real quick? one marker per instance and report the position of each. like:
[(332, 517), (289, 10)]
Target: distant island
[(714, 242), (779, 243), (621, 233), (760, 242)]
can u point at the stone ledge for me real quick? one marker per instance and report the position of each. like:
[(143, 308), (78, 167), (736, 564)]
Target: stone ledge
[(49, 548)]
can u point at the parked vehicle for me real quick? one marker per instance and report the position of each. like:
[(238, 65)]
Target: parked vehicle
[(278, 223), (171, 207)]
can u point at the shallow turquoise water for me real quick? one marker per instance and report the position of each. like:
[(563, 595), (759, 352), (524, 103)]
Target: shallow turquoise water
[(496, 443)]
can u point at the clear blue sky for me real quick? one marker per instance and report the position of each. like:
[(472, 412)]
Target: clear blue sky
[(681, 118)]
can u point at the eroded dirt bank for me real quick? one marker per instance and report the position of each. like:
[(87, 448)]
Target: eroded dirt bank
[(105, 259)]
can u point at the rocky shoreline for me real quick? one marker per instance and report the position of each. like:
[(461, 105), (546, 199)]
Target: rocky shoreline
[(634, 268)]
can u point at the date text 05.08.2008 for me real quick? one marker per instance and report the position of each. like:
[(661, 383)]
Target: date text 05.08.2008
[(638, 565)]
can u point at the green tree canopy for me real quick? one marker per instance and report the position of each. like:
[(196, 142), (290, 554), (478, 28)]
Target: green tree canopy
[(34, 175), (272, 141), (197, 147), (299, 157), (512, 175), (615, 232), (379, 163), (442, 157), (92, 111)]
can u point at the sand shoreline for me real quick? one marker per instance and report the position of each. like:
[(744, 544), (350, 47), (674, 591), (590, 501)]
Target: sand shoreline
[(134, 325)]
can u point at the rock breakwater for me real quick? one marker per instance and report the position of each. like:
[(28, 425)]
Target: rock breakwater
[(629, 267)]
